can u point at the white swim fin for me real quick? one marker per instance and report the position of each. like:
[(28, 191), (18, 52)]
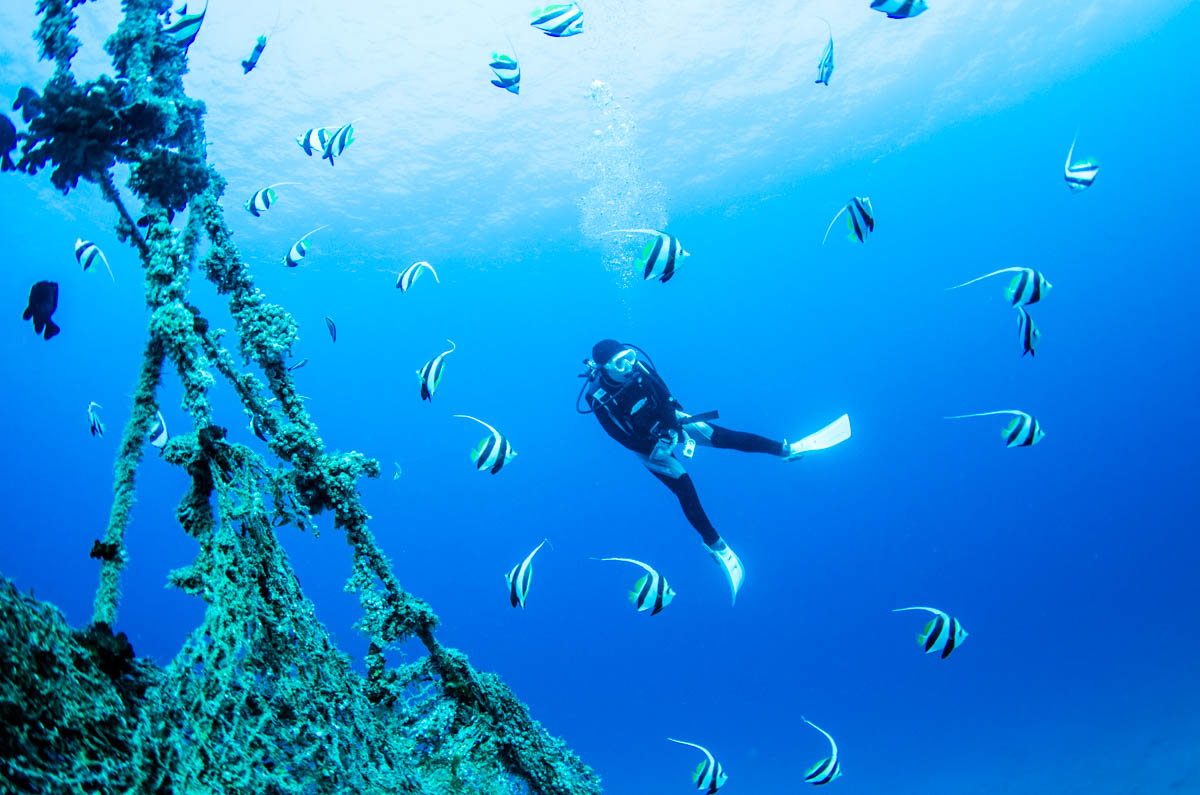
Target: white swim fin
[(832, 434), (734, 573)]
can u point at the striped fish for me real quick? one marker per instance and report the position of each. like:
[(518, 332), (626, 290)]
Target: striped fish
[(943, 633), (559, 20), (314, 140), (493, 451), (94, 419), (396, 475), (337, 143), (1030, 336), (430, 374), (1082, 174), (255, 54), (300, 249), (520, 578), (661, 257), (825, 67), (262, 200), (507, 71), (329, 324), (158, 432), (860, 219), (1023, 431), (1028, 287), (184, 30), (651, 592), (828, 768), (411, 273), (86, 254), (900, 9), (709, 775)]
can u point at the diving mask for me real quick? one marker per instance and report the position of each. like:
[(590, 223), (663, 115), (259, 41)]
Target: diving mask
[(621, 365)]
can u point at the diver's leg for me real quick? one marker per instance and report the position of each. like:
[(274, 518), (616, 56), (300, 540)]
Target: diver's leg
[(683, 488), (726, 439)]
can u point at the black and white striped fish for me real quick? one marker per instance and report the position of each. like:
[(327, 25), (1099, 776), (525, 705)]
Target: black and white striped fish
[(825, 67), (661, 257), (507, 71), (314, 140), (300, 249), (1028, 287), (262, 200), (158, 431), (494, 451), (255, 54), (183, 31), (559, 19), (329, 324), (651, 592), (828, 768), (337, 143), (1082, 174), (410, 274), (520, 578), (860, 219), (430, 374), (1030, 336), (943, 633), (86, 254), (97, 426), (900, 9), (1023, 431), (709, 775)]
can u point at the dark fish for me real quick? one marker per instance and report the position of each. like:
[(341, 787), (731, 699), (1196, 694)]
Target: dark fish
[(8, 142), (43, 300), (252, 61), (298, 365), (329, 324)]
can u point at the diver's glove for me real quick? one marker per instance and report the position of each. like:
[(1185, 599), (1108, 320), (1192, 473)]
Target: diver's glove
[(832, 434), (730, 562)]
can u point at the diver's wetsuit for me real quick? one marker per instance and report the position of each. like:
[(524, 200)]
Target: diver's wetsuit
[(640, 411)]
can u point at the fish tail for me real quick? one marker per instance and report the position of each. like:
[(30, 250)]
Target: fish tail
[(51, 328)]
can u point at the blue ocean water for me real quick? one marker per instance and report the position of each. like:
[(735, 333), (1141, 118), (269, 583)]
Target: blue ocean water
[(1072, 563)]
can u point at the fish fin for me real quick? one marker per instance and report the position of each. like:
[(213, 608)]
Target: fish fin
[(831, 223), (984, 276), (51, 328), (478, 451)]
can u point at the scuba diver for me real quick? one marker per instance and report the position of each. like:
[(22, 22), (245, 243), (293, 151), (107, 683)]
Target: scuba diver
[(635, 407)]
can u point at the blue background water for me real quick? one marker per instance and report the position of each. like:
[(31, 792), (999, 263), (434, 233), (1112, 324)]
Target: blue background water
[(1072, 564)]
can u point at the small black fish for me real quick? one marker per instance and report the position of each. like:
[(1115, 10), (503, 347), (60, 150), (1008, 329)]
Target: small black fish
[(43, 300), (298, 365), (329, 324), (8, 142), (252, 61)]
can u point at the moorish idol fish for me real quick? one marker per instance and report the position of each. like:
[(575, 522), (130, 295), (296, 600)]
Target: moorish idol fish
[(430, 374), (300, 249), (252, 61), (507, 71), (709, 775), (860, 218), (86, 254), (661, 256), (493, 451), (943, 633), (1082, 174), (1030, 336), (1028, 287), (94, 419), (158, 432), (828, 768), (314, 140), (337, 143), (411, 273), (1023, 431), (262, 200), (184, 30), (298, 365), (825, 67), (559, 20), (651, 592), (329, 324), (43, 301), (900, 9), (521, 577)]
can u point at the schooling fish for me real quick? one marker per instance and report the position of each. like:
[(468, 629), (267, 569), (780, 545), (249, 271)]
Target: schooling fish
[(1082, 174), (507, 71), (943, 633), (825, 67), (329, 324), (300, 249), (411, 273), (651, 592), (430, 374), (493, 451), (337, 143), (1030, 336), (828, 768), (520, 578), (661, 256), (8, 142), (314, 140), (252, 61), (1028, 287), (94, 419), (43, 300), (559, 20), (184, 30), (709, 775), (158, 432), (298, 365), (262, 199), (860, 219), (1023, 431), (86, 254), (900, 9)]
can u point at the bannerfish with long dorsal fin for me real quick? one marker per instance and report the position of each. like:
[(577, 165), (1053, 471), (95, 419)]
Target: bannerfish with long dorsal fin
[(1082, 174), (97, 427), (430, 374), (943, 633), (661, 257), (825, 67), (158, 432), (262, 199), (184, 30), (828, 768), (396, 475), (709, 775), (86, 254), (558, 20), (8, 142), (337, 143), (507, 70), (1023, 431), (314, 140), (900, 9), (329, 324), (299, 250), (494, 451), (520, 578), (651, 592), (860, 219), (411, 273), (43, 301), (255, 54), (1030, 336), (1028, 287)]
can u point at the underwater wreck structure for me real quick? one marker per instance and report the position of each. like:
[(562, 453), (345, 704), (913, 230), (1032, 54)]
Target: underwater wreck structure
[(259, 699)]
